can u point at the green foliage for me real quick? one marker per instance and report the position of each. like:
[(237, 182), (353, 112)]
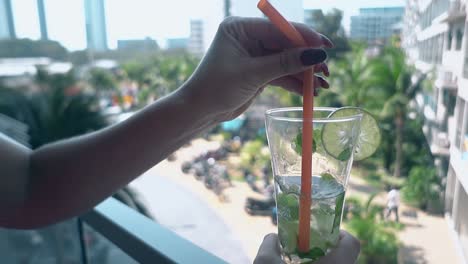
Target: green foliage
[(330, 25), (351, 80), (422, 186), (160, 74), (102, 80), (55, 112), (20, 48), (379, 243), (254, 155)]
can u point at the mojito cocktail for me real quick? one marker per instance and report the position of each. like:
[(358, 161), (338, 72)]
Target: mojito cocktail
[(334, 144)]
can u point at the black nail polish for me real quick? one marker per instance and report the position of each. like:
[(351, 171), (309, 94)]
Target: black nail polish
[(313, 56)]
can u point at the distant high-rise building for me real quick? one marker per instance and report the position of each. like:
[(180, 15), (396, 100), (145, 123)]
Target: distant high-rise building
[(42, 19), (375, 24), (146, 44), (7, 26), (96, 34), (177, 43), (196, 45)]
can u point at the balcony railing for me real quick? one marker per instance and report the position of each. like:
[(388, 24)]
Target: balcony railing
[(141, 238), (446, 79)]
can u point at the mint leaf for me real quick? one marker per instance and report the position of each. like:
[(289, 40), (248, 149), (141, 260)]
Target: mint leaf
[(327, 176), (315, 142), (338, 211), (288, 206), (298, 143), (287, 232), (345, 154), (313, 254)]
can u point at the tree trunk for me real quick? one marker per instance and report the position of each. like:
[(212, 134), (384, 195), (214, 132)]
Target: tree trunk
[(398, 143)]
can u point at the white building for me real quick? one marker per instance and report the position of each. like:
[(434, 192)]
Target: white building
[(20, 72), (435, 40)]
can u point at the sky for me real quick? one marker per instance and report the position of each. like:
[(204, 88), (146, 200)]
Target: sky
[(137, 19)]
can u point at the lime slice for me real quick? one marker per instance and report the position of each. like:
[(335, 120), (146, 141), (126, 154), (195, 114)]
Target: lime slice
[(335, 136)]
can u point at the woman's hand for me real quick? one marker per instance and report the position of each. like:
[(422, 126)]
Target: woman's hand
[(346, 252), (245, 56)]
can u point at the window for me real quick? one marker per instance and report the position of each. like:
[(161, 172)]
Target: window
[(459, 38), (450, 191), (449, 99), (459, 117), (449, 39), (464, 140)]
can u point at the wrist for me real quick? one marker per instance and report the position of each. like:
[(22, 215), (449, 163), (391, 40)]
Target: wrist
[(195, 104)]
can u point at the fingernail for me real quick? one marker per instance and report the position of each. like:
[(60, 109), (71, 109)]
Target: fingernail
[(326, 71), (313, 56), (327, 42)]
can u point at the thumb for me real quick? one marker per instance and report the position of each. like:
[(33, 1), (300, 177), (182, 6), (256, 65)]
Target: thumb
[(288, 62)]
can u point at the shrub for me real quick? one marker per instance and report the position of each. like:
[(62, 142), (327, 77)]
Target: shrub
[(422, 188), (379, 243)]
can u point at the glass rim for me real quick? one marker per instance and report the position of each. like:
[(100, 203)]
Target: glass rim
[(270, 115)]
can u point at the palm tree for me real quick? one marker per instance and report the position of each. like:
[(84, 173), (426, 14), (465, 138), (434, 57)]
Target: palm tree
[(351, 77), (55, 112), (102, 80), (391, 74), (160, 74)]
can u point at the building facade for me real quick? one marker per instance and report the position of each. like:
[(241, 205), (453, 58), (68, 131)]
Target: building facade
[(7, 26), (196, 41), (435, 40), (376, 24), (177, 43), (146, 44), (96, 33)]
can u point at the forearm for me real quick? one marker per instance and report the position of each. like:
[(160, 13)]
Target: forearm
[(70, 177)]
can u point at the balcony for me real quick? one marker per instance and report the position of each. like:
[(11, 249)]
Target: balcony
[(460, 165), (456, 11), (453, 61), (141, 238), (438, 140), (446, 79)]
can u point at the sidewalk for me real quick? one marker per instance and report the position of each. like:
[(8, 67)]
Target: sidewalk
[(250, 230), (425, 238)]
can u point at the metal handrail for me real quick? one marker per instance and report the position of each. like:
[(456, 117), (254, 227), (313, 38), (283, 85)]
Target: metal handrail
[(141, 238)]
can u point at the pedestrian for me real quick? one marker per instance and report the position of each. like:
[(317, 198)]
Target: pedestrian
[(393, 202)]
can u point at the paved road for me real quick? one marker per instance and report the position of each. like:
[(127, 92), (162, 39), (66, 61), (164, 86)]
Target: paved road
[(183, 212)]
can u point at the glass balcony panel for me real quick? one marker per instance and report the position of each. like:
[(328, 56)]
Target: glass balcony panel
[(57, 243), (100, 250)]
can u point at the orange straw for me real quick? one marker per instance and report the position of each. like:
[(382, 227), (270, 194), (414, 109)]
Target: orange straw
[(307, 125)]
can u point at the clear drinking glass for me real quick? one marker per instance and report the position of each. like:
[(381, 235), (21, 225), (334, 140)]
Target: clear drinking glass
[(333, 148)]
